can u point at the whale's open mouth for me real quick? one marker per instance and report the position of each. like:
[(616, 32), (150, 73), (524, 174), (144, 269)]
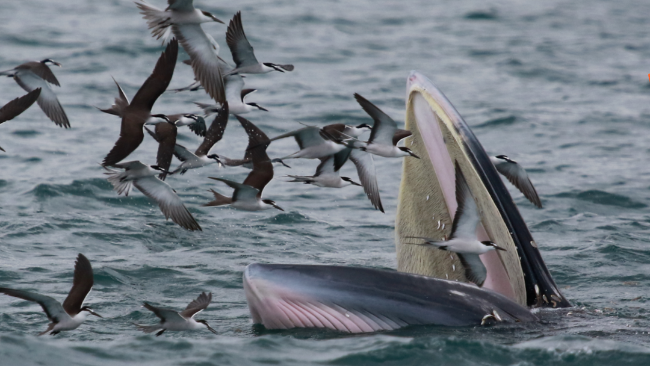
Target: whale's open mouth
[(429, 287)]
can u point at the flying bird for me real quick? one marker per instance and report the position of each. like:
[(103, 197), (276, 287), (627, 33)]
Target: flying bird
[(34, 75), (17, 106), (178, 321), (248, 195), (316, 143), (200, 157), (138, 112), (385, 135), (517, 175), (235, 95), (243, 54), (143, 177), (178, 12), (463, 239), (72, 313), (326, 176)]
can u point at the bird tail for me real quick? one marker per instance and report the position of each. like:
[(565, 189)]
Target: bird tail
[(157, 20), (148, 328), (208, 109), (219, 199), (116, 178), (49, 329)]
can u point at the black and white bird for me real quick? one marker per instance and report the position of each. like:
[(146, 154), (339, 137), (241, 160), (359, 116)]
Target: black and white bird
[(185, 23), (463, 239), (248, 195), (195, 123), (316, 143), (385, 135), (178, 321), (72, 313), (34, 75), (326, 176), (243, 54), (235, 95), (517, 175), (17, 106), (201, 156), (138, 112), (143, 177)]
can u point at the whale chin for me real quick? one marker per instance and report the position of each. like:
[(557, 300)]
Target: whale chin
[(429, 287)]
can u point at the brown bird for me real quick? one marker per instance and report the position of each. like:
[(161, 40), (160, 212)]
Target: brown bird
[(138, 112), (18, 106), (248, 195), (36, 74)]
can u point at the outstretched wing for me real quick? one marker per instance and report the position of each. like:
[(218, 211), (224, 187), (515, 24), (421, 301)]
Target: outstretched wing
[(517, 175), (366, 170), (18, 105), (384, 128), (197, 305), (241, 49), (168, 201), (51, 307), (81, 285), (466, 218), (165, 315)]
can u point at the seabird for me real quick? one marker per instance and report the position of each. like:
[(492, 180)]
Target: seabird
[(144, 178), (200, 158), (316, 143), (33, 75), (185, 23), (235, 95), (179, 12), (243, 54), (195, 123), (17, 106), (517, 175), (463, 240), (71, 314), (248, 195), (177, 321), (138, 112), (385, 135), (326, 176)]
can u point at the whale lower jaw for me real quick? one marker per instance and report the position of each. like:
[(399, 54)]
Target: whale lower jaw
[(358, 300)]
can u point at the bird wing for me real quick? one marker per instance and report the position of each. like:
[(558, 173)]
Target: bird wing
[(197, 305), (341, 158), (215, 132), (158, 81), (131, 136), (51, 307), (326, 167), (242, 192), (466, 218), (400, 135), (517, 175), (18, 105), (165, 315), (170, 204), (131, 165), (262, 172), (234, 84), (166, 133), (305, 137), (41, 70), (198, 127), (336, 131), (203, 53), (47, 100), (241, 49), (182, 153), (81, 285), (384, 128), (183, 5), (475, 270), (366, 170)]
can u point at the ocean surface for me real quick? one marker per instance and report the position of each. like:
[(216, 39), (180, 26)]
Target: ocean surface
[(561, 87)]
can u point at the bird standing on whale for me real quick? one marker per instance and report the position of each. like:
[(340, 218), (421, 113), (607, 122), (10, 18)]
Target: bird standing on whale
[(72, 313)]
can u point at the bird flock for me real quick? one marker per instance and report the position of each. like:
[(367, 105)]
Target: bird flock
[(333, 145)]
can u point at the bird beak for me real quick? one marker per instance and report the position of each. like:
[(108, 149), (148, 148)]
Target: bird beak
[(262, 108), (499, 248), (94, 313), (280, 161), (57, 64), (211, 329), (415, 156), (355, 184), (278, 207), (217, 20)]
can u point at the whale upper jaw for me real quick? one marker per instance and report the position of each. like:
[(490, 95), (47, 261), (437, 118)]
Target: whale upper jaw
[(358, 300)]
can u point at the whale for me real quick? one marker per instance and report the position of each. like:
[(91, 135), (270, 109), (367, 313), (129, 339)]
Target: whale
[(428, 287)]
